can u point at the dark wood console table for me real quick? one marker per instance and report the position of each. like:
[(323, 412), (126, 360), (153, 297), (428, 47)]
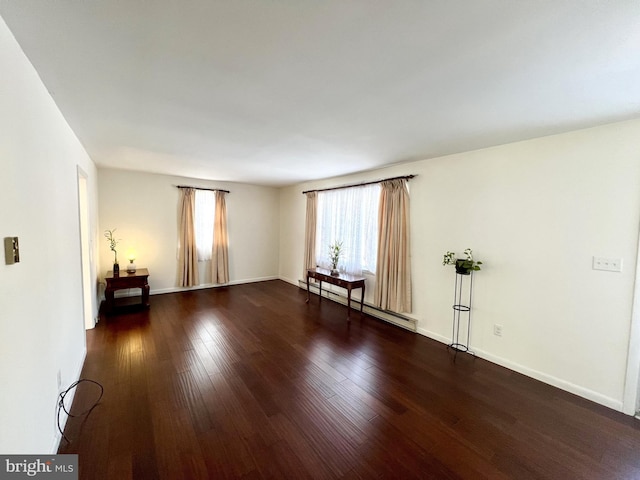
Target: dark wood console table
[(343, 280), (124, 280)]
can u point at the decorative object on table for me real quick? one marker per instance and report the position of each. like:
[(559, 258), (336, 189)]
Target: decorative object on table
[(464, 266), (131, 268), (112, 246), (335, 250)]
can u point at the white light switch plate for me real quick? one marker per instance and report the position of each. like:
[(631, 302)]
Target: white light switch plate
[(607, 264)]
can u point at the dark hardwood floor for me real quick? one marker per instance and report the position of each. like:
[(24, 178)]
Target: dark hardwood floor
[(248, 381)]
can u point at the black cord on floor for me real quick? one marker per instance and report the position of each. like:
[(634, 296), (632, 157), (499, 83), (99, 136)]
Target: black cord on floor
[(61, 406)]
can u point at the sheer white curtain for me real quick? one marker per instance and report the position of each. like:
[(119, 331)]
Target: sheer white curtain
[(205, 202), (350, 216)]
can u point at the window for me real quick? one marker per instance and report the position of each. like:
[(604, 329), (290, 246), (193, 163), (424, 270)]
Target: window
[(350, 216), (203, 223)]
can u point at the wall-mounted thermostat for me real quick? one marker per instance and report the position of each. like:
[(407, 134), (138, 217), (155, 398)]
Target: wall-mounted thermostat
[(11, 250)]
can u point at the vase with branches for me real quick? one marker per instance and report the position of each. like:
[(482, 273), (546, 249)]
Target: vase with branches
[(335, 251), (113, 243)]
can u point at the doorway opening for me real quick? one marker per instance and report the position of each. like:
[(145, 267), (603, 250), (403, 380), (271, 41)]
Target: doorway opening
[(85, 249), (631, 400)]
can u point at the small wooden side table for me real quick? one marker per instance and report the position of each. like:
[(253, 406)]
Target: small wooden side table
[(138, 279), (343, 280)]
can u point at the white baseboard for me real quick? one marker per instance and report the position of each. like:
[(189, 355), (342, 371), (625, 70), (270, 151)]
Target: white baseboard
[(57, 437), (543, 377), (160, 291), (292, 281)]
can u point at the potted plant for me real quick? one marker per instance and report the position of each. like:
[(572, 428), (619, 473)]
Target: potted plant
[(464, 266), (112, 246), (335, 250)]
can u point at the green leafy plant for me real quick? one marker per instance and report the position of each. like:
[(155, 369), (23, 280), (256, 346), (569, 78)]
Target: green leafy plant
[(467, 263), (113, 243), (335, 251)]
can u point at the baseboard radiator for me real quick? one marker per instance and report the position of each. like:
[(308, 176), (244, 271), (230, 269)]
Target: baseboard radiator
[(341, 297)]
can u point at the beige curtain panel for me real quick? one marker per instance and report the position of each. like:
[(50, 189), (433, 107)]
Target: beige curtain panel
[(188, 255), (393, 271), (220, 255), (310, 233)]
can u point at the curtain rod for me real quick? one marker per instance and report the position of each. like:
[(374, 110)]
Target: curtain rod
[(202, 188), (405, 177)]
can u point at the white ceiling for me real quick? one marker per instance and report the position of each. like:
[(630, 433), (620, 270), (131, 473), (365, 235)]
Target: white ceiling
[(276, 92)]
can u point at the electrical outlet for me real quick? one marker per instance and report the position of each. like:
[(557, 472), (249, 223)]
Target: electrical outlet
[(607, 264), (497, 330)]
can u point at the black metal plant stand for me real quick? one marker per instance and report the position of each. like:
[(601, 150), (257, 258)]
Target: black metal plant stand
[(459, 311)]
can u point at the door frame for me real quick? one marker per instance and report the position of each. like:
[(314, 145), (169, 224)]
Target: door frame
[(631, 397), (85, 248)]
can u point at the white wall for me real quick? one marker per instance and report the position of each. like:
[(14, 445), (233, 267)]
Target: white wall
[(535, 212), (143, 207), (41, 317)]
